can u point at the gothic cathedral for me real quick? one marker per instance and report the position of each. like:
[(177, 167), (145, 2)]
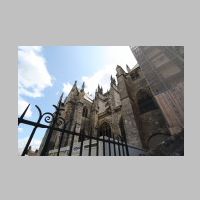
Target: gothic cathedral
[(128, 107)]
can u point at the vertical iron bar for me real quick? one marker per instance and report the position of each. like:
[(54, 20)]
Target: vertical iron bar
[(123, 147), (114, 145), (97, 152), (29, 141), (67, 139), (45, 148), (118, 147), (33, 131), (71, 145), (103, 144), (60, 142), (97, 139), (109, 146), (89, 153), (127, 151), (72, 142), (82, 139)]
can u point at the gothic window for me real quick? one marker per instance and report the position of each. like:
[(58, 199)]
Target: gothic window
[(134, 76), (145, 102), (85, 112), (107, 104), (105, 130)]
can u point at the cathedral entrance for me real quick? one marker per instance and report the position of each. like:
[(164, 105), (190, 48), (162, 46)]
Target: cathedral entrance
[(105, 130)]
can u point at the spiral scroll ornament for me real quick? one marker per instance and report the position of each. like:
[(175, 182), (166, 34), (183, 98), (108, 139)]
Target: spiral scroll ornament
[(48, 117)]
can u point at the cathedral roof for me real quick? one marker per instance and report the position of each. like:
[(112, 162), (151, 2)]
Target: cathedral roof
[(88, 97)]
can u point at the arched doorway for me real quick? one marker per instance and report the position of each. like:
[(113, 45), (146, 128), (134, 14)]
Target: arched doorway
[(105, 130)]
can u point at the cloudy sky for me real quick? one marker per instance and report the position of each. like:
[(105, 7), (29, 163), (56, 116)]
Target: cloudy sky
[(45, 72)]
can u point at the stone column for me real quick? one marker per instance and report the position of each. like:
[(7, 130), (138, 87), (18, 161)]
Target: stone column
[(77, 119), (131, 130)]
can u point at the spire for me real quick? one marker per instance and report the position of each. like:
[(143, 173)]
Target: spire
[(61, 97), (60, 100), (112, 80), (75, 83), (83, 86), (101, 90), (128, 68)]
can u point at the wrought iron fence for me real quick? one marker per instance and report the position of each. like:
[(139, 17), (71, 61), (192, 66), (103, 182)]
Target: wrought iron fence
[(96, 146)]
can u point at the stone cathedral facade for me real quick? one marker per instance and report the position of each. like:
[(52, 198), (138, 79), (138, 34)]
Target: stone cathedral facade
[(145, 103), (127, 107)]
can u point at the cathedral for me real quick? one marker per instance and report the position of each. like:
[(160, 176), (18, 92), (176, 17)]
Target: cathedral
[(129, 107)]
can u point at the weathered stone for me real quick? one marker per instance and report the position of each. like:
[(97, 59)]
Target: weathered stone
[(131, 106)]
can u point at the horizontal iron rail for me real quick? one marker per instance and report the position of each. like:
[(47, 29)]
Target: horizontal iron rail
[(39, 125)]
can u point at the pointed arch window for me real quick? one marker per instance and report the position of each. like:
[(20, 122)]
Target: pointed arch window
[(145, 102), (85, 112)]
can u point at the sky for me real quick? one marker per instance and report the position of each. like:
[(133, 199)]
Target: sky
[(44, 72)]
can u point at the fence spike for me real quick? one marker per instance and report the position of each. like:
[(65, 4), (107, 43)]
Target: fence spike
[(22, 115)]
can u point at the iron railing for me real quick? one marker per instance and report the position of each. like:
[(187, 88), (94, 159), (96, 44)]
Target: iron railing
[(110, 146)]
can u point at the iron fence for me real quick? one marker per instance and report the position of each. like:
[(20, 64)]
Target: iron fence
[(96, 146)]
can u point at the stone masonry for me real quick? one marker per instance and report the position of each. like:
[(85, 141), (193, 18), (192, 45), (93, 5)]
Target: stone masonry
[(128, 107)]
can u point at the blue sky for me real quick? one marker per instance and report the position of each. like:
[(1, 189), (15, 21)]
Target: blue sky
[(44, 72)]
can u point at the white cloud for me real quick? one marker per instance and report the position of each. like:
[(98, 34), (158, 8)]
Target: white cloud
[(121, 55), (118, 55), (101, 77), (19, 129), (30, 48), (67, 88), (35, 144), (33, 76)]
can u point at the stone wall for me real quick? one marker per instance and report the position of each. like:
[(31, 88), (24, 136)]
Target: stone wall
[(120, 107), (148, 123), (163, 68)]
